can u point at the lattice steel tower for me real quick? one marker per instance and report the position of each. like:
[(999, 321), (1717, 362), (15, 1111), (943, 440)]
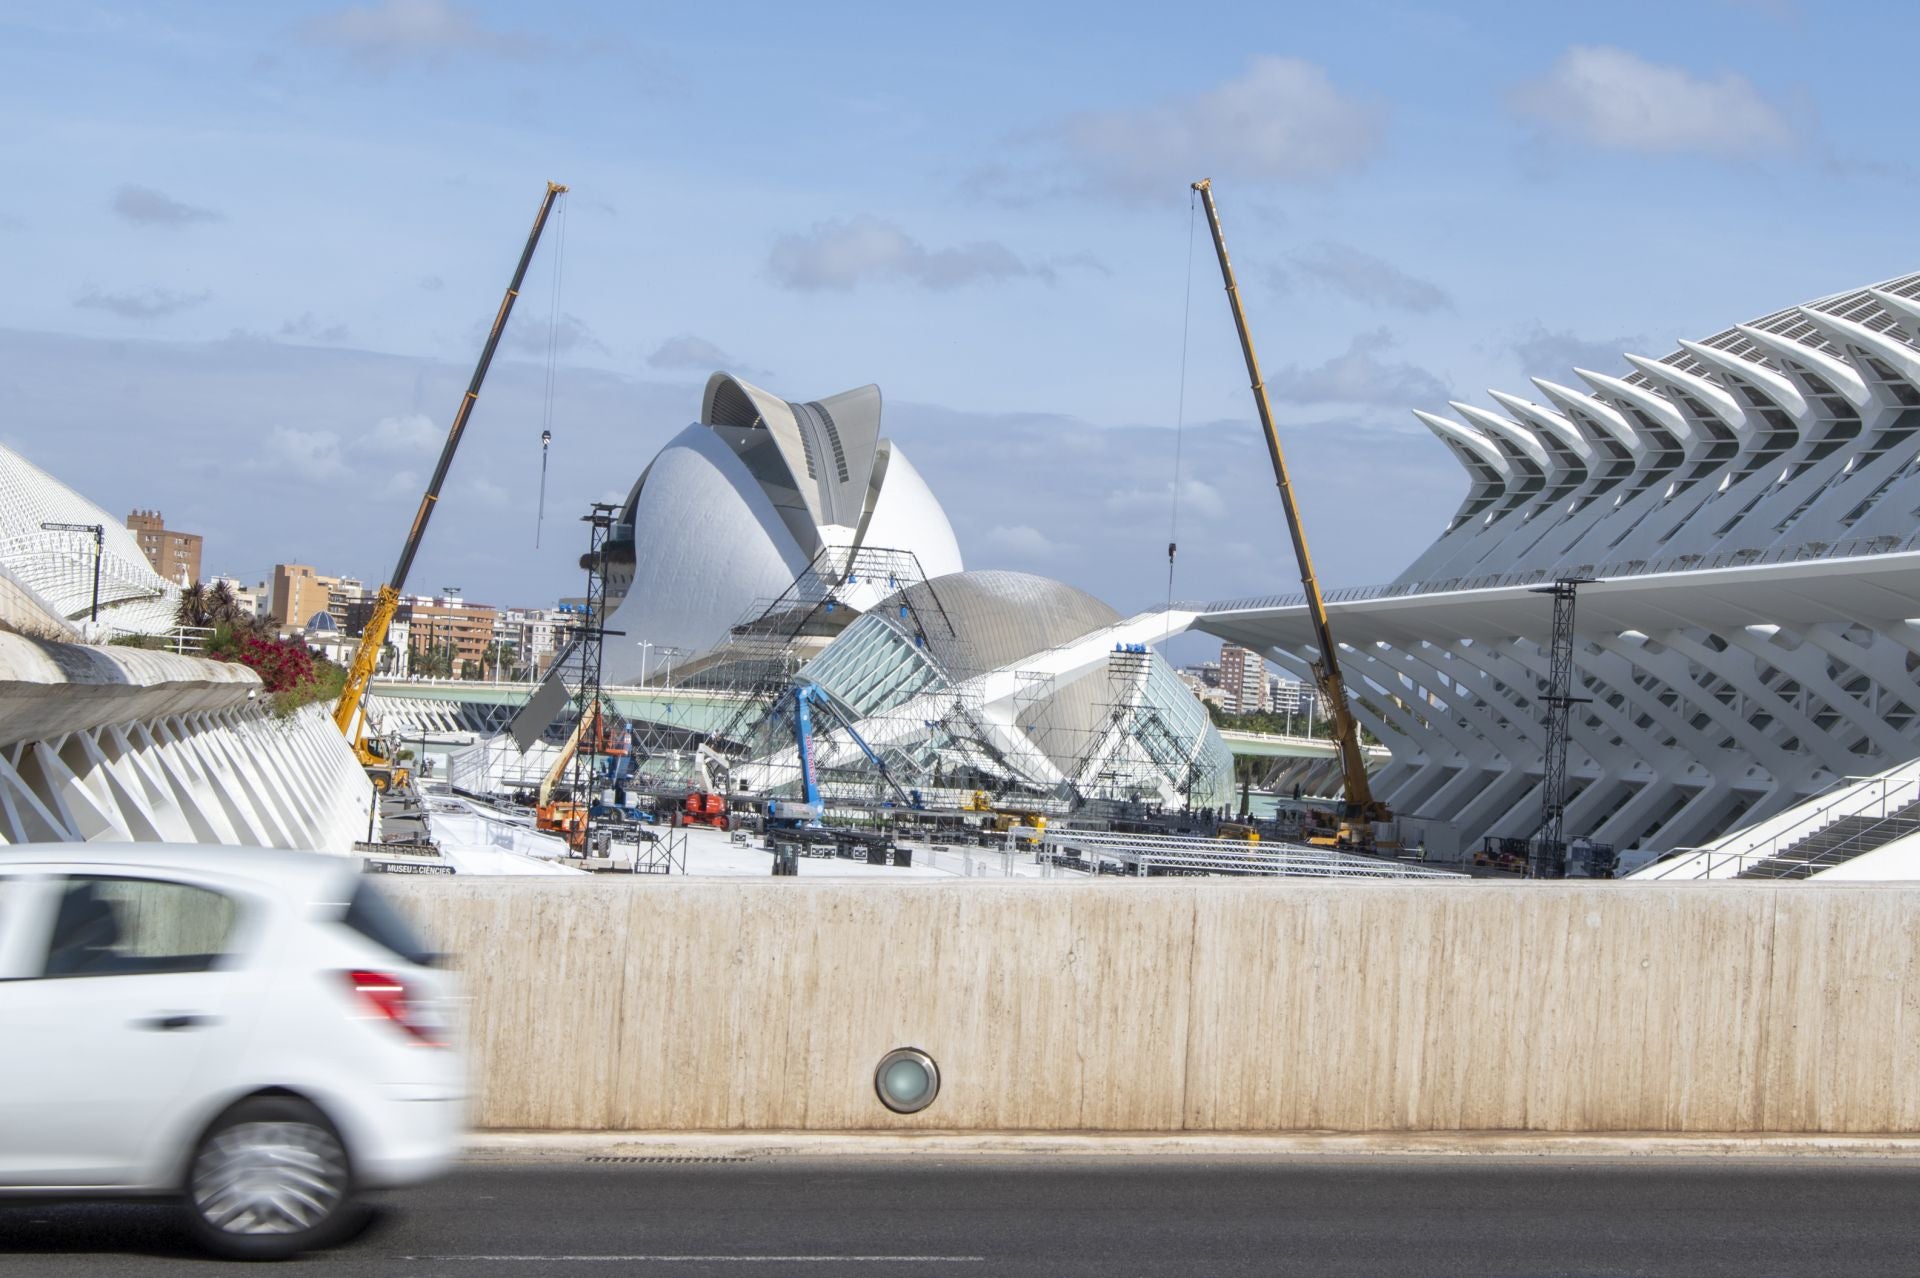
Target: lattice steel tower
[(1549, 860)]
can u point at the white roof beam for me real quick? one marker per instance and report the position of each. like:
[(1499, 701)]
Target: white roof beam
[(1841, 375), (1579, 404), (1904, 310), (1710, 394), (1902, 358), (1653, 404), (1498, 428), (1548, 423), (1490, 468), (1763, 379)]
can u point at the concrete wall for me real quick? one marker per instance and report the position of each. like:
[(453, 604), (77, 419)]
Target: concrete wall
[(1197, 1006)]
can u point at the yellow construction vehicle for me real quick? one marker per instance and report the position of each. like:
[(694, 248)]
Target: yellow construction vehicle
[(1001, 820), (348, 712), (564, 817), (1362, 809)]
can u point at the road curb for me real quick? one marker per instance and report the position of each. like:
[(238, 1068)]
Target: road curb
[(539, 1146)]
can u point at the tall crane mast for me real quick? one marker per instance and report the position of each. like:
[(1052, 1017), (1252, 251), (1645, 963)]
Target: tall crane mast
[(1361, 804), (347, 714)]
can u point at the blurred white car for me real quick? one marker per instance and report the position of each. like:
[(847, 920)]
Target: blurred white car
[(259, 1033)]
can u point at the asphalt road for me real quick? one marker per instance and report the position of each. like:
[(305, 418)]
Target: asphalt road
[(1053, 1216)]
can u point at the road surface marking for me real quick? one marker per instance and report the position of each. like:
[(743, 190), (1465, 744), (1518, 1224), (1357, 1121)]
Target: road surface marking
[(741, 1260)]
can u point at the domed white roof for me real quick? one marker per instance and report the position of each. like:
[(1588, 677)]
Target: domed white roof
[(57, 564), (734, 508)]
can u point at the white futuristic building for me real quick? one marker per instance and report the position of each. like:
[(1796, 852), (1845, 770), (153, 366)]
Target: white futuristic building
[(746, 500), (57, 564), (1747, 504), (1014, 684), (104, 742)]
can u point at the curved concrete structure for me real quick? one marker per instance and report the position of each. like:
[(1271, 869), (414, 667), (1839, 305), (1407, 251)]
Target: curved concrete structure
[(58, 566), (122, 745), (737, 506), (1748, 504), (1012, 682)]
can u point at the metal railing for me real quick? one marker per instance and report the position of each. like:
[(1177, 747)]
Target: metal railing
[(1139, 855), (1709, 863)]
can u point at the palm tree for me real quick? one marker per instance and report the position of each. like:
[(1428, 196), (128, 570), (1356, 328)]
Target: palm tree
[(192, 610), (225, 610)]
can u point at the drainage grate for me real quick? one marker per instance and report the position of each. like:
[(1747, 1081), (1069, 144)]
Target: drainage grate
[(668, 1158)]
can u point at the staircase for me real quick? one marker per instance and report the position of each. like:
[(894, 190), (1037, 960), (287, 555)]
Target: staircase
[(1835, 842)]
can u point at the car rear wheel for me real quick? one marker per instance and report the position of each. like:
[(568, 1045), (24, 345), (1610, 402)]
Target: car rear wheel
[(270, 1179)]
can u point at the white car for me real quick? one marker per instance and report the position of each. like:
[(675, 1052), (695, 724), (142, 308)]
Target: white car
[(259, 1033)]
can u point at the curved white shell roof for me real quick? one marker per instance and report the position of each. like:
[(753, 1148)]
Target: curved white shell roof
[(735, 507), (58, 566), (707, 543), (1783, 435)]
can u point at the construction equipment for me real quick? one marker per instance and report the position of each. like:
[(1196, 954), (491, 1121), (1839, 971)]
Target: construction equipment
[(1362, 809), (700, 807), (568, 817), (999, 818), (800, 702), (347, 712)]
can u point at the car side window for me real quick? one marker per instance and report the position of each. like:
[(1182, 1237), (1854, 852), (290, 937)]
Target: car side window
[(121, 926)]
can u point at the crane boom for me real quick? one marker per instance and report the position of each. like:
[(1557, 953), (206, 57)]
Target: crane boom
[(387, 601), (1326, 671)]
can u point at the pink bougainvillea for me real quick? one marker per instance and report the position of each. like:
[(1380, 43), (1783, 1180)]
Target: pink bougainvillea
[(282, 667)]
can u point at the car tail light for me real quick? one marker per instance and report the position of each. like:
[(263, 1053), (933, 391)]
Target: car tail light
[(387, 997)]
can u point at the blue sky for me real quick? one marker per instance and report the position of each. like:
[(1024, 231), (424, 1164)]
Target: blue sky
[(252, 249)]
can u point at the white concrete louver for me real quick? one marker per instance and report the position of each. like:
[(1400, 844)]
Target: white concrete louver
[(235, 776), (1750, 436), (1750, 504)]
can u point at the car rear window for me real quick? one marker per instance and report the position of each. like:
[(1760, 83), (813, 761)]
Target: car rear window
[(373, 916)]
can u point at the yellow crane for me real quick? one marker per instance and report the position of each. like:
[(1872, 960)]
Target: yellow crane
[(1361, 806), (348, 712)]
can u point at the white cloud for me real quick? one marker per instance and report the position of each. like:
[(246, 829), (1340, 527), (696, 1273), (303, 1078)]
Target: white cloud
[(310, 453), (1198, 500), (1608, 97), (406, 433), (838, 256), (532, 336), (145, 304), (688, 351), (1280, 120), (484, 492), (1553, 355), (309, 328), (1025, 541), (1363, 278), (149, 207), (389, 32), (1360, 376)]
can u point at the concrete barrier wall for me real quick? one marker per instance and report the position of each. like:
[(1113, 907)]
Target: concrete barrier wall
[(1190, 1006)]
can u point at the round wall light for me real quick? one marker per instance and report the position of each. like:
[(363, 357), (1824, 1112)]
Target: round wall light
[(907, 1080)]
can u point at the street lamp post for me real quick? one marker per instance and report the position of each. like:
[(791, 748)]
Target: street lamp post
[(643, 646), (670, 653), (99, 532)]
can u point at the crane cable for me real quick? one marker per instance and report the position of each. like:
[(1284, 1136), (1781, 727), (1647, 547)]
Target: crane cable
[(1180, 417), (553, 359)]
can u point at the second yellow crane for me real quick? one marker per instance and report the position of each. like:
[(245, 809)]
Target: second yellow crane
[(348, 712), (1362, 808)]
